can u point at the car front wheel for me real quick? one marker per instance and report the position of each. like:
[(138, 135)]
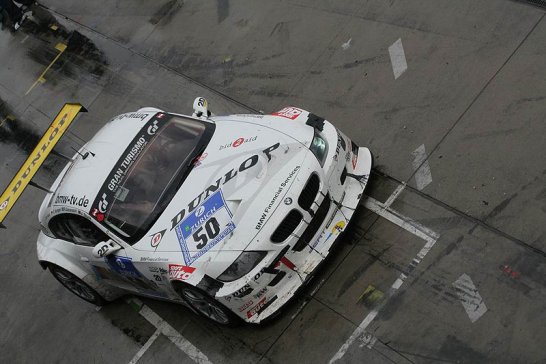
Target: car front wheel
[(76, 285), (208, 307)]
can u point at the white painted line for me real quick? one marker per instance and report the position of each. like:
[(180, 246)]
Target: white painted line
[(394, 195), (470, 297), (398, 58), (423, 176), (404, 222), (347, 44), (409, 225), (195, 354), (145, 347), (398, 283), (360, 330)]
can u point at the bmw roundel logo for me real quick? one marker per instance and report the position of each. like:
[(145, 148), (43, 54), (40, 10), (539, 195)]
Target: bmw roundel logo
[(287, 201), (200, 211)]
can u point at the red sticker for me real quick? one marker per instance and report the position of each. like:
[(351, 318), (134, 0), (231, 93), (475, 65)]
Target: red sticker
[(156, 238), (246, 305), (180, 272), (254, 310), (238, 142), (289, 112), (284, 260), (97, 215), (355, 160)]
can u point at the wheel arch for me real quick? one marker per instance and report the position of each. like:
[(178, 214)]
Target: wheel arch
[(63, 263)]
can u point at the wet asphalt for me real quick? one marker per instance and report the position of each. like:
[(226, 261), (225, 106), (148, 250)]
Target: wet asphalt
[(470, 108)]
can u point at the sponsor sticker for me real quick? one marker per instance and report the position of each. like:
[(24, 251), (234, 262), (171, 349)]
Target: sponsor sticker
[(123, 266), (336, 230), (260, 293), (179, 272), (238, 142), (71, 200), (246, 164), (199, 160), (289, 112), (241, 292), (133, 115), (110, 188), (156, 238), (246, 305), (209, 224), (271, 204), (254, 310)]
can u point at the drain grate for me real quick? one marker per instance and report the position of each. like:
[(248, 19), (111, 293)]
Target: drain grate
[(539, 3)]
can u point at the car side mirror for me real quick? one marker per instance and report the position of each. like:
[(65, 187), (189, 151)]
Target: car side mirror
[(201, 108), (105, 248)]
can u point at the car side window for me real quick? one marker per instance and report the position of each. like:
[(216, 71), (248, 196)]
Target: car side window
[(76, 229)]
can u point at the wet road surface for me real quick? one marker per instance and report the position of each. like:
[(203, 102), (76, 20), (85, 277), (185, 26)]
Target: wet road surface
[(445, 260)]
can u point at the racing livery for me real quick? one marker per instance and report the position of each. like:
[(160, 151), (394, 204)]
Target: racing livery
[(229, 215)]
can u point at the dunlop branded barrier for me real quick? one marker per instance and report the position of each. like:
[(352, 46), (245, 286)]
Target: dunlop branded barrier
[(34, 161)]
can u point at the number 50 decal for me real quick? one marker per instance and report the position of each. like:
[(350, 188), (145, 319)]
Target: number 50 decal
[(212, 229)]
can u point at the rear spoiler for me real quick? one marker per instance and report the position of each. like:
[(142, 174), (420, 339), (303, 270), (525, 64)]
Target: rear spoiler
[(23, 177)]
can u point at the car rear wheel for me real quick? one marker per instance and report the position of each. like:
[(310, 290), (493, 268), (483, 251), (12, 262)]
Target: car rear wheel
[(207, 306), (76, 285)]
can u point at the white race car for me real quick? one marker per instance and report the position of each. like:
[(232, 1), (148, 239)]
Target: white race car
[(229, 215)]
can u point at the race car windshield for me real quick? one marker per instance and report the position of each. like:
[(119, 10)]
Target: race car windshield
[(154, 177)]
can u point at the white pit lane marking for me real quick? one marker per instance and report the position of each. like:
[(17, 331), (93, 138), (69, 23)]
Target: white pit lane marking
[(420, 163), (430, 237), (398, 58), (145, 347), (394, 195), (470, 297), (163, 327), (347, 44)]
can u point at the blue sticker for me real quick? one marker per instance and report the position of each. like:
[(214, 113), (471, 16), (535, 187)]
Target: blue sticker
[(207, 225), (123, 266)]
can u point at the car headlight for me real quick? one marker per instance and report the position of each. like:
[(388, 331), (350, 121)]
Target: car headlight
[(319, 147), (242, 265)]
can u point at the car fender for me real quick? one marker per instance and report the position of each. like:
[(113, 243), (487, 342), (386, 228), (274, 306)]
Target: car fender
[(48, 254)]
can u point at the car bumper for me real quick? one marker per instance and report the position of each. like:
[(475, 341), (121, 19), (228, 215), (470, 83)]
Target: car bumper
[(270, 293)]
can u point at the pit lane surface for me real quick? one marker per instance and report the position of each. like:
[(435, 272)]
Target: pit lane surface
[(450, 97)]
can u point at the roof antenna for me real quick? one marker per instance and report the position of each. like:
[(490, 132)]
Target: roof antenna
[(83, 155), (90, 152)]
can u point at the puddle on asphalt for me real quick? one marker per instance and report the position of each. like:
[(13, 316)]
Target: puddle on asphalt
[(80, 50)]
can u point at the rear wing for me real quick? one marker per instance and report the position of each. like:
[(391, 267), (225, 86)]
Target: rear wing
[(35, 160)]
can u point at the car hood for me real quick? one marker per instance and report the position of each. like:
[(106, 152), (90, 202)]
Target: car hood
[(239, 180)]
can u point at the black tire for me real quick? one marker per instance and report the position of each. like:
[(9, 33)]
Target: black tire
[(76, 285), (207, 306)]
